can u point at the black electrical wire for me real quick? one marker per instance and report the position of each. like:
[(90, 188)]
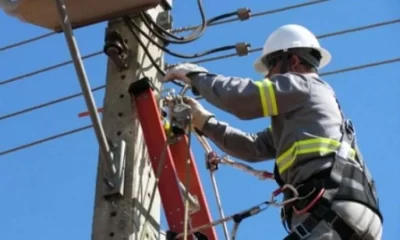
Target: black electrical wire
[(147, 52), (338, 71), (47, 104), (253, 15), (327, 35), (43, 140), (342, 32), (214, 50), (365, 27), (197, 33), (18, 44), (182, 29), (263, 13), (156, 29), (46, 69)]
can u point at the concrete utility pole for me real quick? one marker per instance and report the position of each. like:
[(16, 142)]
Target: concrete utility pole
[(119, 217)]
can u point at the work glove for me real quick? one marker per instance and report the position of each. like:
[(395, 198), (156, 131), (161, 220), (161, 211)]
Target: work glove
[(180, 72), (200, 115)]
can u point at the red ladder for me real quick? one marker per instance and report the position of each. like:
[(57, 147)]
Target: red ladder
[(174, 169)]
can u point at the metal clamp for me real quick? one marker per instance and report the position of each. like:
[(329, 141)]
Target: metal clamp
[(242, 48), (115, 180), (212, 161), (243, 13)]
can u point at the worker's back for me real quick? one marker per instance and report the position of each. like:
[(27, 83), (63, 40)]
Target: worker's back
[(307, 133)]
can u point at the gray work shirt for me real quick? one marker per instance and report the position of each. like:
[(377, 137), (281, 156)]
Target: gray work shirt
[(305, 120)]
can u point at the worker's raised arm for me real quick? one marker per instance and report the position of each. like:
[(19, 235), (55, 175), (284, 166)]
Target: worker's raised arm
[(249, 147), (248, 99)]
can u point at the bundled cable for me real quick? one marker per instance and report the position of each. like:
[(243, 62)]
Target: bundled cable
[(148, 54), (197, 33), (157, 30), (134, 25)]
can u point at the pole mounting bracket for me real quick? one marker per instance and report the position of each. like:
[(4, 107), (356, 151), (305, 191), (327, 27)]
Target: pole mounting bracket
[(116, 49), (115, 176)]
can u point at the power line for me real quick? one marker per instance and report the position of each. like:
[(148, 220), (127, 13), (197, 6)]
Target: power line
[(368, 65), (43, 140), (327, 35), (30, 74), (47, 104), (17, 44), (177, 30), (338, 71), (342, 32), (46, 69), (258, 14)]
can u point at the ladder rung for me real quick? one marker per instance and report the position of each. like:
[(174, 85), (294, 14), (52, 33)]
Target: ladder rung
[(193, 201)]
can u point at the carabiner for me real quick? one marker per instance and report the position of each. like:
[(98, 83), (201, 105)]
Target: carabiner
[(281, 190)]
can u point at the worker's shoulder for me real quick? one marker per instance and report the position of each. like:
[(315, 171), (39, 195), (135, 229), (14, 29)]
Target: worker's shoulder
[(299, 80), (291, 81)]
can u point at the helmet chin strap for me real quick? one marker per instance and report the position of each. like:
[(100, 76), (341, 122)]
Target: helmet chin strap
[(284, 68)]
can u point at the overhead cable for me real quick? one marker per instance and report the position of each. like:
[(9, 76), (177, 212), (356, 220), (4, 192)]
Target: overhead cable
[(132, 23), (327, 35), (47, 104), (338, 71), (342, 32), (100, 52), (196, 34), (257, 14), (146, 51), (158, 31), (43, 140), (182, 29), (17, 44), (46, 69)]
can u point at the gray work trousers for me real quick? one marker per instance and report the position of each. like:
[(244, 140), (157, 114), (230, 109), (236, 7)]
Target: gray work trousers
[(360, 217)]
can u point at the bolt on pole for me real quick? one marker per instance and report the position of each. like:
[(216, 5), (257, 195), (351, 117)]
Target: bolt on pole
[(83, 80)]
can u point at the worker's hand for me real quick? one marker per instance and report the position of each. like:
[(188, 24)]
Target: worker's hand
[(179, 72), (200, 116)]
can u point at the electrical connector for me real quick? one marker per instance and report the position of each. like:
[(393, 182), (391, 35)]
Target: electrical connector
[(242, 48), (243, 13)]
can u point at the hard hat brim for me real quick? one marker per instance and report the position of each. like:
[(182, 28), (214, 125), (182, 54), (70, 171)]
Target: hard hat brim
[(325, 60)]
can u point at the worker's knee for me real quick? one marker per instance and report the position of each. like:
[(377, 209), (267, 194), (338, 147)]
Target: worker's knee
[(358, 216)]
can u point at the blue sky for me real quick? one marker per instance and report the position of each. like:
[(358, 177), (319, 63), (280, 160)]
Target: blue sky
[(48, 190)]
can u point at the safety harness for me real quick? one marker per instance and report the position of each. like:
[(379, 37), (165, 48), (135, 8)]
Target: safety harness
[(342, 181)]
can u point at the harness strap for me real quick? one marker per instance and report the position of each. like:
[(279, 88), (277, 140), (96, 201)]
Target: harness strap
[(322, 211)]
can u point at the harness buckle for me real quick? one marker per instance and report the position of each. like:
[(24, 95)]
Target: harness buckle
[(301, 231)]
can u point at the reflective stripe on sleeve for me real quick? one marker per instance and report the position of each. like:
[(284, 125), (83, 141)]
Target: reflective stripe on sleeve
[(267, 95), (319, 146)]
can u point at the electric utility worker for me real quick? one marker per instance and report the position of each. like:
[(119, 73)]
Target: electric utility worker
[(311, 141)]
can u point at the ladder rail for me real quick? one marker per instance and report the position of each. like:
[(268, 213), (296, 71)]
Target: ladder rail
[(179, 151), (146, 107), (173, 172)]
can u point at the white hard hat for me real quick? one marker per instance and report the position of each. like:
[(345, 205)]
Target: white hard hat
[(291, 36)]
